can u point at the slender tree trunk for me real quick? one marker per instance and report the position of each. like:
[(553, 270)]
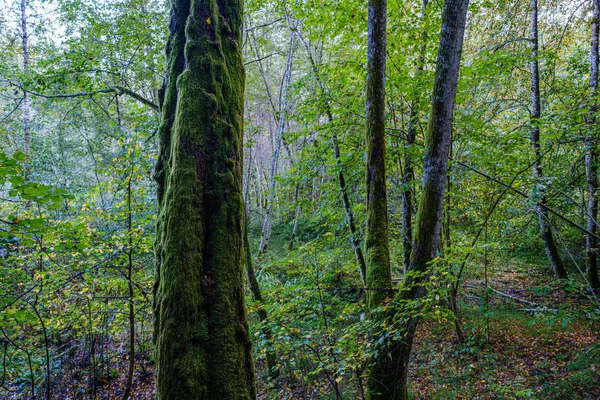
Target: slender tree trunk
[(389, 375), (354, 235), (545, 228), (202, 344), (591, 159), (271, 356), (26, 108), (260, 186), (296, 216), (131, 368), (408, 176), (376, 235), (265, 236)]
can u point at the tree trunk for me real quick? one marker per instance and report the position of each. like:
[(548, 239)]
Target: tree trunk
[(26, 108), (271, 356), (296, 217), (591, 160), (265, 236), (376, 235), (354, 235), (545, 227), (131, 314), (388, 378), (409, 174), (202, 344)]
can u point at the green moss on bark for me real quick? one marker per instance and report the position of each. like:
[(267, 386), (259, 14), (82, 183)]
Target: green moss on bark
[(378, 275), (388, 379), (203, 349)]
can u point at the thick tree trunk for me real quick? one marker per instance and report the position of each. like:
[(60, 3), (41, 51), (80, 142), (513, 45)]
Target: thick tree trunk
[(354, 235), (202, 345), (265, 236), (388, 379), (409, 173), (376, 235), (545, 228), (591, 159)]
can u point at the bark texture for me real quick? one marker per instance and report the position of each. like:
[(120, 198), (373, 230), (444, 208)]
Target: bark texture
[(376, 235), (591, 159), (202, 345), (263, 316), (545, 227), (354, 234), (265, 236), (409, 172), (388, 378)]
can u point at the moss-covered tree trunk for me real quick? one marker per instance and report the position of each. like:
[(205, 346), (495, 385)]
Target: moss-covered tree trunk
[(591, 159), (388, 378), (545, 228), (409, 173), (202, 345), (376, 235)]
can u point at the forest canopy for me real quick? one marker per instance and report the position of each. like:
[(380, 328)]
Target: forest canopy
[(299, 199)]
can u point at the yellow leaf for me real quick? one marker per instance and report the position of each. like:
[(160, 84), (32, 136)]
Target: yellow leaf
[(208, 20)]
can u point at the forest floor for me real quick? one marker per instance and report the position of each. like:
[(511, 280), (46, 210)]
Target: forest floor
[(510, 351)]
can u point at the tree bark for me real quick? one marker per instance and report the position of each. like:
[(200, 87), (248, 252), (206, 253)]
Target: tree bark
[(131, 314), (388, 378), (409, 173), (26, 108), (591, 159), (376, 234), (202, 344), (265, 236), (545, 228), (354, 235), (263, 316)]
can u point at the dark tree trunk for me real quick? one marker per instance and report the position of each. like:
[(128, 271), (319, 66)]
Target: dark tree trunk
[(202, 345), (376, 235), (354, 235), (263, 316), (591, 160), (388, 379), (409, 172), (545, 227)]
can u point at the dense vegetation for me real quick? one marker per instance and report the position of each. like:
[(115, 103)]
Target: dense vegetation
[(507, 306)]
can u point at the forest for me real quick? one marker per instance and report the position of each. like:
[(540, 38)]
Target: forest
[(299, 199)]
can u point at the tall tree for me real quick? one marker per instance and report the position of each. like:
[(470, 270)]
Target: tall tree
[(591, 159), (376, 235), (389, 376), (545, 227), (202, 345), (265, 236), (263, 316), (354, 234), (26, 107), (409, 172)]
